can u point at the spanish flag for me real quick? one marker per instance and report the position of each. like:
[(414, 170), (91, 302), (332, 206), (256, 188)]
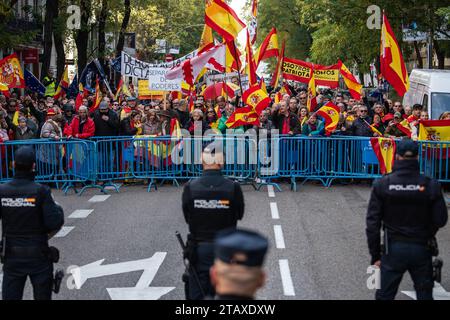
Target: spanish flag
[(330, 113), (242, 117), (98, 97), (222, 18), (434, 130), (352, 84), (268, 48), (63, 85), (256, 98), (4, 89), (277, 72), (207, 40), (251, 66), (384, 149), (312, 94), (232, 57), (253, 26), (119, 89), (392, 65)]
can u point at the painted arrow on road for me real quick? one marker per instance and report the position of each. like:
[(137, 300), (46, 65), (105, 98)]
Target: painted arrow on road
[(141, 291), (439, 293)]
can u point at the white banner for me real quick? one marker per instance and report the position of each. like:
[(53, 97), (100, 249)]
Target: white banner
[(132, 67), (157, 80)]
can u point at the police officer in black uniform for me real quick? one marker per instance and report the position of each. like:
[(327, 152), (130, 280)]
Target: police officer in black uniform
[(29, 217), (237, 272), (410, 207), (210, 203)]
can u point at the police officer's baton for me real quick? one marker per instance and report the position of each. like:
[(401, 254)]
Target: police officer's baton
[(190, 267)]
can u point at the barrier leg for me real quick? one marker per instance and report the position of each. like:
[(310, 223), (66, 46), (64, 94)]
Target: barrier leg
[(92, 185), (152, 184), (293, 184), (111, 184)]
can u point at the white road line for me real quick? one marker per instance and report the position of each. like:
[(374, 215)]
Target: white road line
[(270, 191), (286, 279), (279, 239), (64, 232), (99, 198), (274, 210), (80, 214)]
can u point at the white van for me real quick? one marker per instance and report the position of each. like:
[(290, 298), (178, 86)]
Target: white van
[(430, 88)]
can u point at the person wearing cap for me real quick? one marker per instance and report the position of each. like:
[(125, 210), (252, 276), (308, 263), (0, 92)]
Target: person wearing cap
[(106, 121), (30, 217), (411, 208), (51, 129), (69, 111), (82, 126), (210, 204), (237, 272)]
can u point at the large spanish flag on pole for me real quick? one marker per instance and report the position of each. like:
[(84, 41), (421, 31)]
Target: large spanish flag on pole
[(330, 112), (384, 149), (392, 65), (352, 84), (207, 40), (268, 48), (222, 18), (251, 66), (277, 72), (63, 85), (253, 26), (312, 94)]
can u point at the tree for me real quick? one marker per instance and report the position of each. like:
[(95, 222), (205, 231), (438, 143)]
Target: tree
[(82, 35)]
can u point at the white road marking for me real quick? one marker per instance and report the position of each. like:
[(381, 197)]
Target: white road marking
[(279, 239), (274, 210), (439, 293), (64, 232), (80, 214), (270, 191), (99, 198), (286, 279)]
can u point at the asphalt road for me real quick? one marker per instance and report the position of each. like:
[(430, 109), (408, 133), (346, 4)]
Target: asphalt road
[(317, 242)]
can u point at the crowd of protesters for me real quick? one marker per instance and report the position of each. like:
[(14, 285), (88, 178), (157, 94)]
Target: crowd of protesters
[(32, 117)]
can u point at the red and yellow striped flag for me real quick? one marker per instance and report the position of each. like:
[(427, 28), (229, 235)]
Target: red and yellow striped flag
[(251, 66), (98, 98), (63, 85), (312, 94), (242, 117), (207, 40), (222, 18), (384, 149), (4, 89), (330, 112), (232, 57), (268, 48), (392, 65), (277, 72), (256, 98), (350, 81)]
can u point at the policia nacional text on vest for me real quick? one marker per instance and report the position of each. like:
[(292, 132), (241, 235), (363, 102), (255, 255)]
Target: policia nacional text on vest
[(29, 217), (210, 204), (411, 209)]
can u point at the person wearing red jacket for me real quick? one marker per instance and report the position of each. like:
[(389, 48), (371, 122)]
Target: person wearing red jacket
[(81, 127)]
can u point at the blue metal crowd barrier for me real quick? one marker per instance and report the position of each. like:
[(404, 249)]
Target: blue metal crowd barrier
[(103, 161), (62, 162)]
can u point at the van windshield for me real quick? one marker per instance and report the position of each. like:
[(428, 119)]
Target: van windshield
[(440, 102)]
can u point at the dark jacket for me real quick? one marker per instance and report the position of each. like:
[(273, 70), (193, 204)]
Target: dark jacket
[(294, 122), (28, 212), (183, 117), (26, 135), (360, 128), (409, 205), (108, 128), (211, 203), (126, 129)]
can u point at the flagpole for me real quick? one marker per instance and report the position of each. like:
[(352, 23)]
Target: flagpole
[(238, 67)]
